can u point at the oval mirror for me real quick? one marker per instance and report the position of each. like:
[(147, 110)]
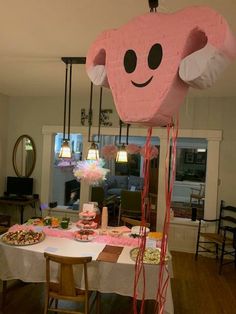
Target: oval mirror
[(24, 156)]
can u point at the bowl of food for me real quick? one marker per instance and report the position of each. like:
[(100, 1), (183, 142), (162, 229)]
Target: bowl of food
[(84, 235), (114, 233), (155, 235), (87, 215), (139, 231), (86, 224)]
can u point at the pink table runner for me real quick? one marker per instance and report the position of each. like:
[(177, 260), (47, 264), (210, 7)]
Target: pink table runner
[(53, 232)]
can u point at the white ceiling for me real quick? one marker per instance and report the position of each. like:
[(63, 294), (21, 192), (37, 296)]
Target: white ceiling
[(35, 34)]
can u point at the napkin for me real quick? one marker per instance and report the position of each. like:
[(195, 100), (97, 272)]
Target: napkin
[(110, 254)]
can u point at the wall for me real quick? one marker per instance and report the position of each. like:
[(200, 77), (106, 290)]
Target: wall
[(4, 106), (216, 113), (28, 115)]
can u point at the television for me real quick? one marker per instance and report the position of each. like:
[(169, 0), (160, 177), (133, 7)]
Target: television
[(20, 186)]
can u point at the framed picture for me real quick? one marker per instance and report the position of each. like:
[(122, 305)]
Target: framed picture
[(189, 158), (83, 117), (105, 117), (200, 158)]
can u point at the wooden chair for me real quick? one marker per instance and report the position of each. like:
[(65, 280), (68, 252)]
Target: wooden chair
[(133, 222), (198, 194), (65, 289), (223, 239), (130, 205)]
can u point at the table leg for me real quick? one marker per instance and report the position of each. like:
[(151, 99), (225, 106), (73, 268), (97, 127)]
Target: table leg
[(4, 293), (98, 303)]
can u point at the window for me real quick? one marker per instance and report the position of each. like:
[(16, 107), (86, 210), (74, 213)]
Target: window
[(191, 157)]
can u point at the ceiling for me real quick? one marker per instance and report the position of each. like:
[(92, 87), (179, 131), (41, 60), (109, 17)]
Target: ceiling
[(34, 35)]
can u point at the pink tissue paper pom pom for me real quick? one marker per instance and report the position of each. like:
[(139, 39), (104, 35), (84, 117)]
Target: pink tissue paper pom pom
[(132, 149), (90, 171), (109, 151), (153, 154)]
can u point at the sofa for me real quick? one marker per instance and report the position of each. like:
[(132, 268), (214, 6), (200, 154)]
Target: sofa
[(113, 185)]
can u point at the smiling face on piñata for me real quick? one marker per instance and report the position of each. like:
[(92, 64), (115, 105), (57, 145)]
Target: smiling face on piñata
[(148, 61)]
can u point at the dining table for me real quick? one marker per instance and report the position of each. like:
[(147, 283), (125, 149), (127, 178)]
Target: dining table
[(27, 262)]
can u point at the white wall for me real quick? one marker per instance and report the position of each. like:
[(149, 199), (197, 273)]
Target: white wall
[(3, 139), (216, 113), (27, 115)]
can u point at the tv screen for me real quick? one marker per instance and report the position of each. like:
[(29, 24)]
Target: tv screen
[(19, 186)]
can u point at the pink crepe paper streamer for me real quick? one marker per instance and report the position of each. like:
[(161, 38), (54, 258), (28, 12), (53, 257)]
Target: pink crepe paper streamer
[(122, 241), (58, 233), (19, 227)]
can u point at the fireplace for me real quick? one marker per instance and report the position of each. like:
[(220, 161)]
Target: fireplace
[(72, 192)]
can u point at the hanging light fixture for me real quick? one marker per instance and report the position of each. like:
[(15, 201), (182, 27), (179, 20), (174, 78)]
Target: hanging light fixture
[(122, 155), (65, 151), (93, 152)]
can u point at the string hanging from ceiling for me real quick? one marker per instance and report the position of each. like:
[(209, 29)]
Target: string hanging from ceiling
[(65, 151)]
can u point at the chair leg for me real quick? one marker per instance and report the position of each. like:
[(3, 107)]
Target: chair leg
[(86, 305), (198, 239), (217, 251), (222, 258), (4, 293), (46, 305), (98, 303), (235, 258), (118, 223)]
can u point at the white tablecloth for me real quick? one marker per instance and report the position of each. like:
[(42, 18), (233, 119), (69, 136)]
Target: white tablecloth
[(27, 263)]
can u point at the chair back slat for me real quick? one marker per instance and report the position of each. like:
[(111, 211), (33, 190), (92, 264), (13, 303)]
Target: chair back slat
[(67, 284), (133, 222), (227, 217)]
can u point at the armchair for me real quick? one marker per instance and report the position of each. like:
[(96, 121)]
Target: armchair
[(115, 184)]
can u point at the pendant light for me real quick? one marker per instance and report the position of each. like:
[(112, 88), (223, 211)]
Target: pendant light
[(93, 152), (122, 155), (65, 151)]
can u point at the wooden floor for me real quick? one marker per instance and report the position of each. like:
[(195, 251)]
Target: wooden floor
[(197, 289)]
